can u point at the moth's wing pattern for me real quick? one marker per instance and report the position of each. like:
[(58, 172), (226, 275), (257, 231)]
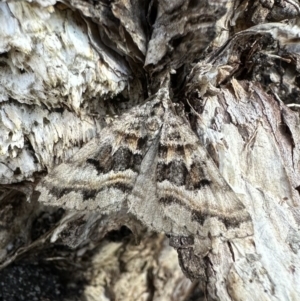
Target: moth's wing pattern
[(185, 193), (151, 162), (103, 172)]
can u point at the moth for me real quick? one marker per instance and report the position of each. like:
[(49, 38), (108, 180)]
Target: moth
[(150, 163)]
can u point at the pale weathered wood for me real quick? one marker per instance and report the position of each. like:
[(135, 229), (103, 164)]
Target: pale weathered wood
[(69, 69)]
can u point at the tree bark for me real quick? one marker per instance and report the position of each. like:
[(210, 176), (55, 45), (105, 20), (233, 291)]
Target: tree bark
[(71, 68)]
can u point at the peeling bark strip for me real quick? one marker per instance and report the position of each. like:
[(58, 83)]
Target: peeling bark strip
[(194, 106)]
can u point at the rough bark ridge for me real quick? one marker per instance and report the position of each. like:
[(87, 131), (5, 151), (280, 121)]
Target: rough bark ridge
[(71, 70)]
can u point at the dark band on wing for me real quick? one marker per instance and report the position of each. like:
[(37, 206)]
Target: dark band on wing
[(229, 222), (90, 194), (200, 217), (178, 174), (121, 160)]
